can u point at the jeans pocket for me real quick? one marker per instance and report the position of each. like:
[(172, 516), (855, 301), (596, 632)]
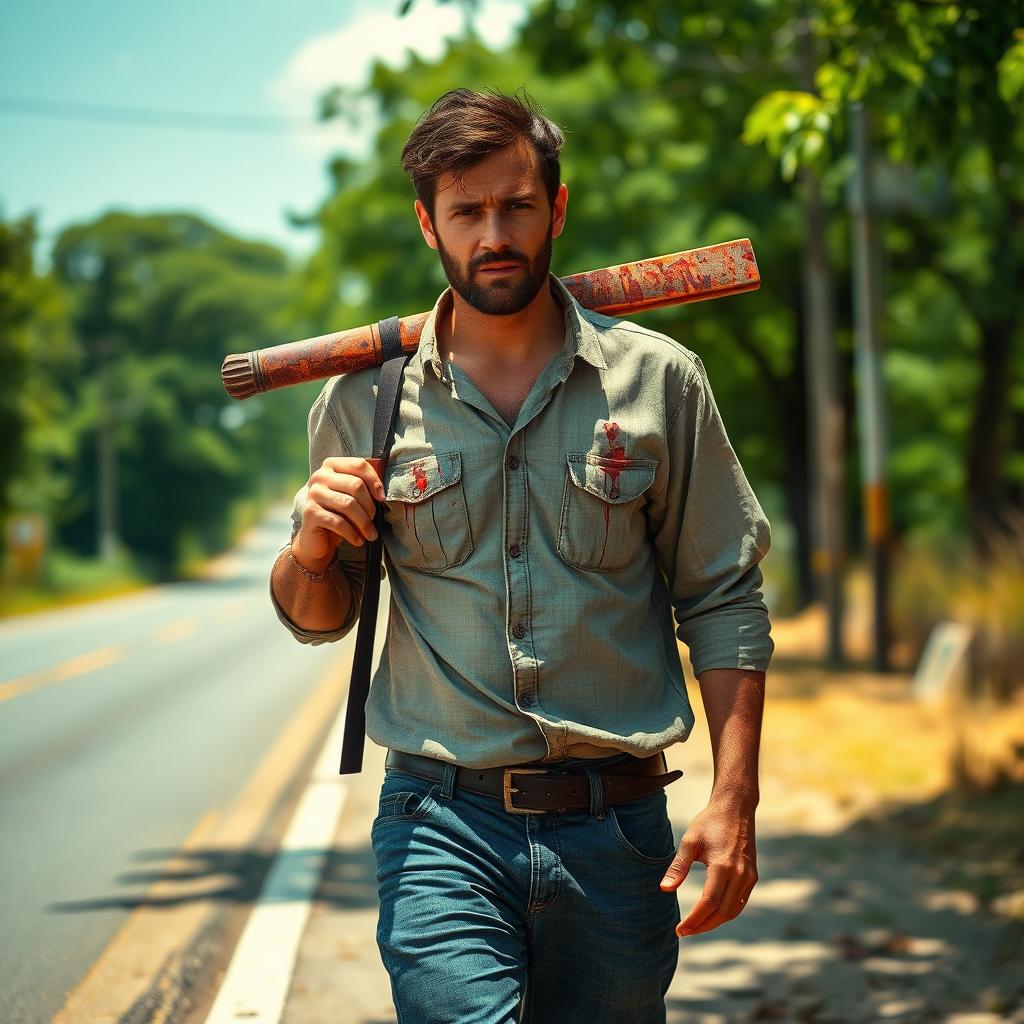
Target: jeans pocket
[(644, 829), (405, 797)]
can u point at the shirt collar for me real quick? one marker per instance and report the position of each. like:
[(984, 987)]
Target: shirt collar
[(581, 337)]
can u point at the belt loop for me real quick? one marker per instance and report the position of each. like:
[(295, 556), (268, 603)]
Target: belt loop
[(596, 791), (448, 786)]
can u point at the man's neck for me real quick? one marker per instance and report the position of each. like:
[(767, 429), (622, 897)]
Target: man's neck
[(518, 341)]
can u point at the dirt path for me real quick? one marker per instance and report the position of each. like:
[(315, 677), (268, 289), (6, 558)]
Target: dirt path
[(846, 924), (853, 918)]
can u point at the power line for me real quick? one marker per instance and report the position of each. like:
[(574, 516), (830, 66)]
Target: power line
[(688, 63), (253, 124)]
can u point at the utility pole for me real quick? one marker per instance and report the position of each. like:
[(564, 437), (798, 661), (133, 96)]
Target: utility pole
[(870, 400), (825, 437)]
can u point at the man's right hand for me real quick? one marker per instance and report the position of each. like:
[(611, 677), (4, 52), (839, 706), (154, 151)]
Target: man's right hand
[(339, 506)]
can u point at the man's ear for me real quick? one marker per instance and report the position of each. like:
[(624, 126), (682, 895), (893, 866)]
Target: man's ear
[(425, 226), (558, 210)]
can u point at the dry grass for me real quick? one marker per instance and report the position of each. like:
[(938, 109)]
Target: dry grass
[(946, 775)]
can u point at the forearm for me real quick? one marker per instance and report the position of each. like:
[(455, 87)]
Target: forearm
[(311, 605), (734, 705)]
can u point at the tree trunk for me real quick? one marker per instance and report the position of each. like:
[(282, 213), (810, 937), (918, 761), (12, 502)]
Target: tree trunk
[(987, 490)]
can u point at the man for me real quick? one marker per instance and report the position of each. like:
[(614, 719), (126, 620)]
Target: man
[(560, 482)]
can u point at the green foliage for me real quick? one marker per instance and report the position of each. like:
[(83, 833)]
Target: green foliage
[(35, 346), (17, 295), (1010, 70), (795, 127), (156, 303), (72, 579), (955, 255)]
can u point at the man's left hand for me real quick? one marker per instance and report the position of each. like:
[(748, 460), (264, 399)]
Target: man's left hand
[(722, 838)]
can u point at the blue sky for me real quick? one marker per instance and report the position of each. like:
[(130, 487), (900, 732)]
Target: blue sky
[(257, 64)]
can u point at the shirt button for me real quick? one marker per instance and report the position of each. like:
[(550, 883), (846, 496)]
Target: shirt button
[(513, 462), (515, 551), (519, 631)]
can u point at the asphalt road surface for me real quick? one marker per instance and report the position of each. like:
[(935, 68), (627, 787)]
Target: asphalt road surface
[(123, 723)]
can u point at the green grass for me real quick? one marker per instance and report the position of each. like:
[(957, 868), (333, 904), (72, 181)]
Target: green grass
[(71, 580)]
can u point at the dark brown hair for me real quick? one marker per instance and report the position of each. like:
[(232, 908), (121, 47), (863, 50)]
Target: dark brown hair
[(463, 126)]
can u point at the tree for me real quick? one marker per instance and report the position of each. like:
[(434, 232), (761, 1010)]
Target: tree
[(34, 344), (158, 301), (955, 130)]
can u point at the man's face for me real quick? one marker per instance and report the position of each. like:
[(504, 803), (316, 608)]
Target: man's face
[(493, 230)]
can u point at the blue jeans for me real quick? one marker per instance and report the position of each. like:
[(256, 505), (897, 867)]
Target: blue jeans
[(488, 917)]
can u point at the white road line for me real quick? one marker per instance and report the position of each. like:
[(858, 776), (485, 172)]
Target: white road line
[(256, 983)]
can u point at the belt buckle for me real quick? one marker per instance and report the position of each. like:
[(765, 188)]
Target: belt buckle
[(507, 790)]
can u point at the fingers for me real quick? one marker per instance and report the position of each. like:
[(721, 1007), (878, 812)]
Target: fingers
[(341, 498), (361, 468), (322, 519), (680, 867), (340, 512), (353, 476), (726, 891), (715, 886)]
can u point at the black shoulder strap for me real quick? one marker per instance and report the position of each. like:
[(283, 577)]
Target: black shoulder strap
[(389, 391)]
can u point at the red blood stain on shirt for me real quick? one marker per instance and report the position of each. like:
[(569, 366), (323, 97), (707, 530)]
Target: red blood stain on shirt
[(419, 478), (617, 453), (620, 461)]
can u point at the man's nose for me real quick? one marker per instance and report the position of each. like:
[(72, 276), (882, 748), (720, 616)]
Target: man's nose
[(496, 235)]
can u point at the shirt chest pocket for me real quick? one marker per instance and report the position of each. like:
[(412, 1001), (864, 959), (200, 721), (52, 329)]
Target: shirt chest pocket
[(602, 524), (426, 512)]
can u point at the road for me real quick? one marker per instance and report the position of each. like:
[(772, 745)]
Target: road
[(124, 725)]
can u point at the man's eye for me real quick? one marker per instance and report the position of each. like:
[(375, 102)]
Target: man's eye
[(520, 206)]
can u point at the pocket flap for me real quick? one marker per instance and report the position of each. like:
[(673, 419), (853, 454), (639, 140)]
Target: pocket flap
[(419, 479), (612, 480)]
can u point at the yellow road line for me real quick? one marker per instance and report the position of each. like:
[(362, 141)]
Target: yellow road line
[(230, 610), (77, 666), (203, 825), (90, 661), (171, 631)]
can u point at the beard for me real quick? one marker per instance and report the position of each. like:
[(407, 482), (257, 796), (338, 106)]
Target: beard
[(502, 296)]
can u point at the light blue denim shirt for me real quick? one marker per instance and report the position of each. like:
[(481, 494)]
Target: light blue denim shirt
[(535, 570)]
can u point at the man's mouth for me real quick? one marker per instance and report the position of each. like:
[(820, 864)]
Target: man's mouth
[(498, 268)]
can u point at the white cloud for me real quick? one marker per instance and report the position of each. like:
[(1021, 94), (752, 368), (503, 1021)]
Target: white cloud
[(372, 32)]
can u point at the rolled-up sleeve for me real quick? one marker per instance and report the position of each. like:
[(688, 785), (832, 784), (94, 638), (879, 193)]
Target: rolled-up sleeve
[(325, 441), (709, 534)]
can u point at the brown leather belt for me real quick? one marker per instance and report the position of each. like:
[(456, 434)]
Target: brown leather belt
[(536, 788)]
